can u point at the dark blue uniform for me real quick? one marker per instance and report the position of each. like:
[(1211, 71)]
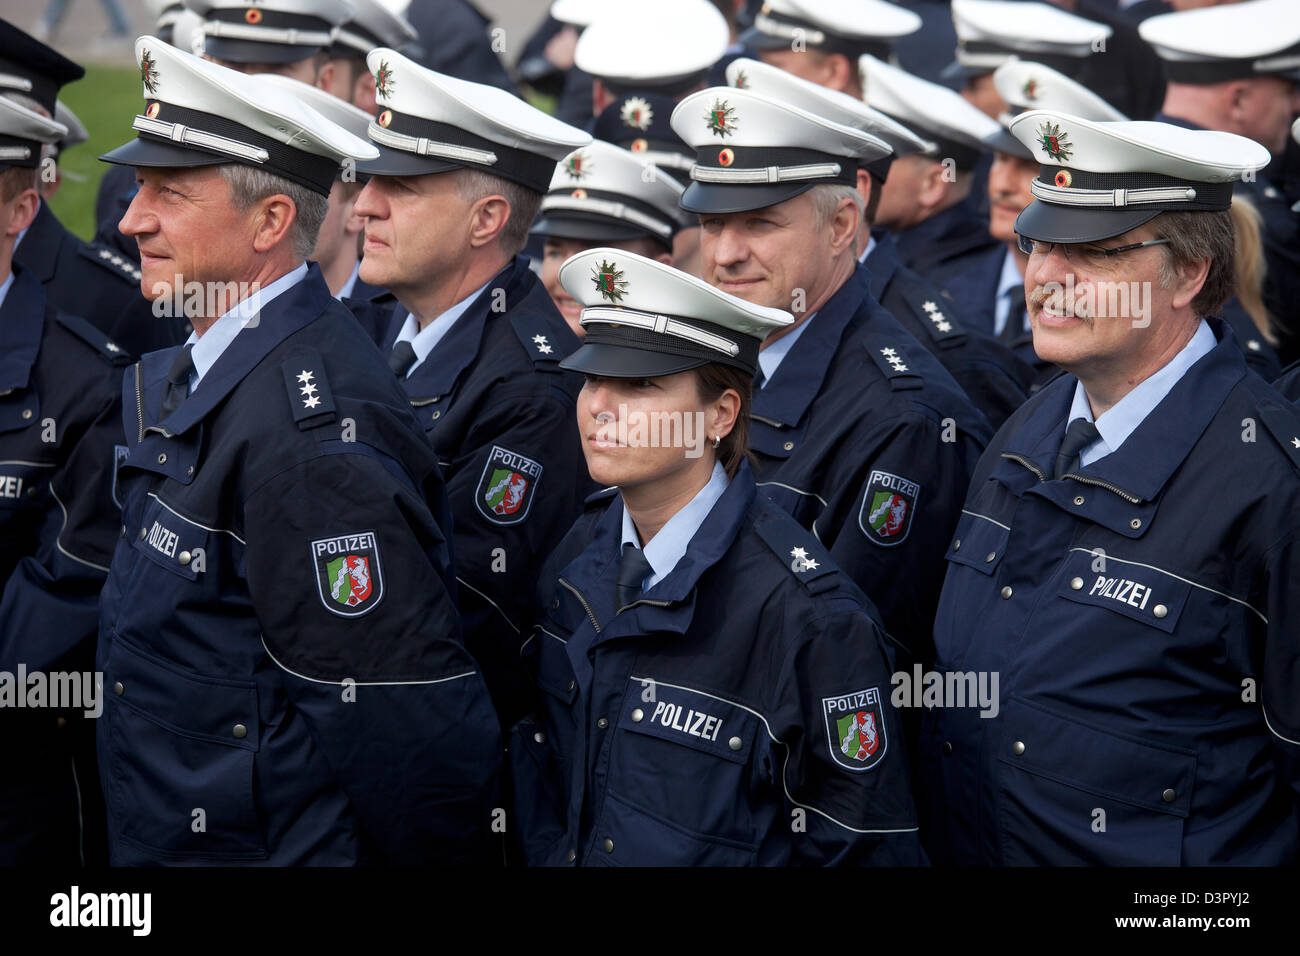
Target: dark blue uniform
[(455, 39), (701, 725), (994, 378), (1289, 382), (95, 282), (60, 418), (946, 243), (286, 681), (867, 441), (498, 408), (1141, 615)]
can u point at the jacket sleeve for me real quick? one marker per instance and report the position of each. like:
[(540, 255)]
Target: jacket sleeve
[(1281, 670), (516, 486), (343, 571), (847, 769), (49, 613)]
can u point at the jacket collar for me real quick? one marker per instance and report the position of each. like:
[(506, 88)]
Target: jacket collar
[(284, 315), (39, 250), (956, 223), (882, 261), (799, 377), (22, 318)]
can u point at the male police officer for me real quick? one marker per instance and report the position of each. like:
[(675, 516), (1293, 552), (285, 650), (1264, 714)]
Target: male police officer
[(604, 196), (90, 280), (291, 37), (987, 371), (60, 417), (372, 25), (278, 630), (475, 340), (858, 430), (1128, 559)]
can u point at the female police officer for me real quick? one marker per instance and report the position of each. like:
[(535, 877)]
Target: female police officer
[(711, 690)]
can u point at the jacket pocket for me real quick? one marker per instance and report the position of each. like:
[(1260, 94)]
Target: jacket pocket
[(1072, 793), (170, 541), (979, 543), (182, 748), (1136, 591)]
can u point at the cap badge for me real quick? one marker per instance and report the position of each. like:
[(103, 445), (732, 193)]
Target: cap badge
[(384, 80), (148, 71), (578, 194), (151, 110), (742, 81), (1030, 89), (577, 165), (721, 118), (253, 16), (385, 118), (636, 113), (1063, 179), (609, 282), (726, 157), (1055, 142), (639, 146)]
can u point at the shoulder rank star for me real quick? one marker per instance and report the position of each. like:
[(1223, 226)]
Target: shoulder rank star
[(384, 80), (148, 72), (610, 282), (722, 118), (800, 560), (1055, 142), (542, 345), (636, 113), (310, 398)]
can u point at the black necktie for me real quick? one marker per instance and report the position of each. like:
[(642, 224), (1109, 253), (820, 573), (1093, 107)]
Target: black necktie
[(178, 380), (1078, 436), (1014, 329), (401, 358), (633, 569)]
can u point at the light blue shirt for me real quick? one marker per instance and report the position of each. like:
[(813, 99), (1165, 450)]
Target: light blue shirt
[(871, 244), (351, 283), (1121, 419), (1010, 278), (4, 289), (209, 346), (769, 356), (424, 340), (667, 547)]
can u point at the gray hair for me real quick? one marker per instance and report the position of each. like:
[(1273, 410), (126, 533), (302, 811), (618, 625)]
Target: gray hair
[(1194, 236), (249, 185), (826, 199), (473, 185)]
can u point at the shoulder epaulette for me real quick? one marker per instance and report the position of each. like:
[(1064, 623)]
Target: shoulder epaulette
[(890, 357), (941, 328), (1283, 423), (113, 261), (109, 350), (535, 337), (310, 397), (800, 552)]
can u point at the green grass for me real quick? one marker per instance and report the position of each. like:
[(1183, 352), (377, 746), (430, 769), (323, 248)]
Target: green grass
[(106, 100)]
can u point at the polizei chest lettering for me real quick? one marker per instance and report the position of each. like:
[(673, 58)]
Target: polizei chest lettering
[(687, 720), (11, 486), (1121, 589), (163, 539)]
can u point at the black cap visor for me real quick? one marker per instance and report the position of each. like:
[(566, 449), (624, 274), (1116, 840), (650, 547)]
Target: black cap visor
[(1048, 222), (594, 228), (254, 51), (397, 162), (706, 198), (147, 152), (621, 361)]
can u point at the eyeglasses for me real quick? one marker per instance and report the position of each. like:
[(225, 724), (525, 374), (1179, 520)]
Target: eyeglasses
[(1082, 254)]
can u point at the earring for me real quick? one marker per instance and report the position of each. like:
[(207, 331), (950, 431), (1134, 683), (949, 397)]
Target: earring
[(716, 439)]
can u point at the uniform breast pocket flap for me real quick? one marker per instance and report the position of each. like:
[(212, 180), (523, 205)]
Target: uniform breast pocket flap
[(172, 542), (691, 719), (554, 672), (1141, 593), (23, 483), (979, 542)]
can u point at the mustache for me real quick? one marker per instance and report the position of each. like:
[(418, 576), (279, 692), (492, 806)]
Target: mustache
[(1055, 299)]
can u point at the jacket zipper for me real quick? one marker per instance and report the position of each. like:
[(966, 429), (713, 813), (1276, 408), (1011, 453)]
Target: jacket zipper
[(1083, 479), (139, 401), (587, 607)]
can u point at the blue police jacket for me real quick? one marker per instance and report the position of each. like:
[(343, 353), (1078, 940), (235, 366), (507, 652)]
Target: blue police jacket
[(1140, 613), (736, 714), (500, 413), (863, 437), (945, 243), (278, 630)]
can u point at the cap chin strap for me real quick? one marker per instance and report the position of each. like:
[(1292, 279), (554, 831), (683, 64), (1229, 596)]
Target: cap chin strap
[(188, 136), (770, 174), (1110, 198), (423, 146), (661, 324), (286, 35), (615, 210)]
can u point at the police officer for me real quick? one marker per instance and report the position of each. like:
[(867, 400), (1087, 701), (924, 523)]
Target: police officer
[(1126, 560), (987, 371), (291, 37), (471, 333), (278, 631), (1235, 69), (927, 201), (86, 279), (371, 25), (704, 670), (604, 196), (858, 431), (60, 417)]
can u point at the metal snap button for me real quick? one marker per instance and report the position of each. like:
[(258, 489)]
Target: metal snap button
[(539, 737), (118, 689), (788, 446), (1018, 748), (1160, 610), (27, 413), (637, 715), (990, 557), (183, 557), (947, 748), (1006, 593), (735, 743), (162, 459), (240, 731), (1169, 796), (602, 723), (956, 545), (609, 845), (1078, 500), (1076, 583)]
